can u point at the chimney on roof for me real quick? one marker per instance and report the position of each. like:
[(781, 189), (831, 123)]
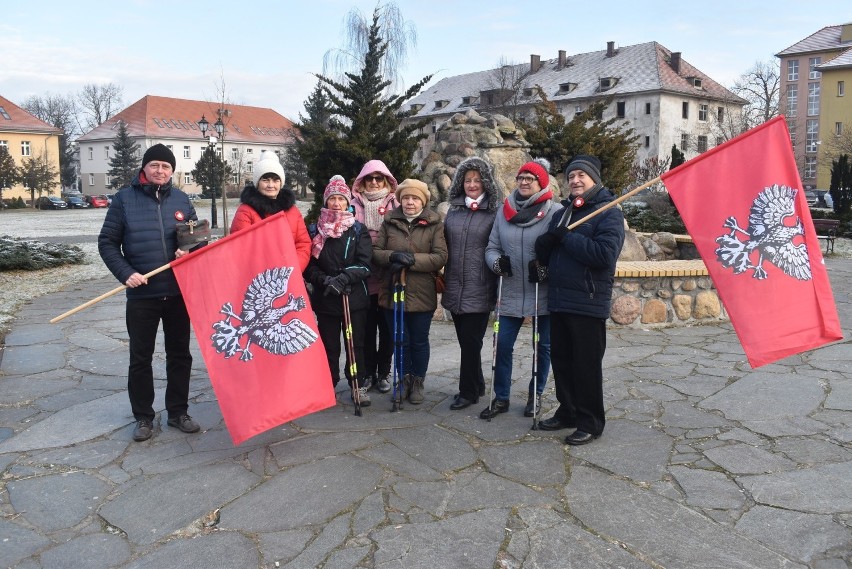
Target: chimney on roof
[(563, 59), (535, 63), (676, 61), (610, 48)]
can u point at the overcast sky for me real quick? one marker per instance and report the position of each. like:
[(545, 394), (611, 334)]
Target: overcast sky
[(266, 52)]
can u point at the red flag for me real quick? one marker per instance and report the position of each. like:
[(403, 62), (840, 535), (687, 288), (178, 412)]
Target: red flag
[(258, 336), (742, 203)]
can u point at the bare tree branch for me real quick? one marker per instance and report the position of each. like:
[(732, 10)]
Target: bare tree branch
[(98, 103), (760, 86)]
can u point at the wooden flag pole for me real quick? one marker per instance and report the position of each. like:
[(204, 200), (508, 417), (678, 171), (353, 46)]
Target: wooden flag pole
[(615, 202), (113, 292)]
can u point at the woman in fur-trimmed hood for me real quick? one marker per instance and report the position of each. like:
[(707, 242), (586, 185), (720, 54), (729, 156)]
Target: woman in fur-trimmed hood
[(471, 287), (266, 197)]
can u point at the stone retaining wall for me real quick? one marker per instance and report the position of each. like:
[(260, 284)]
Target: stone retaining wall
[(642, 302)]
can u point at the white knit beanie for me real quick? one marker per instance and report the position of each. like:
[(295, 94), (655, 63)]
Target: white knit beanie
[(268, 164)]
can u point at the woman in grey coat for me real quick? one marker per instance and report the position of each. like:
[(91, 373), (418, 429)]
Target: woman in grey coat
[(510, 253), (470, 287)]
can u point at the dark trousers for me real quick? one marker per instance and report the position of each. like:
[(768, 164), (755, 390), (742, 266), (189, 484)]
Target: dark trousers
[(331, 330), (143, 318), (470, 330), (378, 351), (578, 345)]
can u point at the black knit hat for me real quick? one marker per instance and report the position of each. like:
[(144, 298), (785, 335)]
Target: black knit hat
[(588, 164), (159, 152)]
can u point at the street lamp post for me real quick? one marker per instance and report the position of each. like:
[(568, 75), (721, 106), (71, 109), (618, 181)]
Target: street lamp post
[(220, 130), (203, 125)]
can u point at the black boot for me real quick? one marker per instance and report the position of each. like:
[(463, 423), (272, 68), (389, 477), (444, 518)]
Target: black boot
[(528, 410), (497, 406)]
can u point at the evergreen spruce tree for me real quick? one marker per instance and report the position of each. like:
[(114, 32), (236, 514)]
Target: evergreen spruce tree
[(124, 163), (208, 173), (678, 157), (363, 123), (840, 186), (8, 170)]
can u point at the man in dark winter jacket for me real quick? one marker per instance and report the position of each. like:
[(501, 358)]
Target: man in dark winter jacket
[(139, 234), (581, 271)]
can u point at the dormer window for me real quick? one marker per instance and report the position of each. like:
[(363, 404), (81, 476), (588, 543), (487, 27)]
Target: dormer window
[(468, 101), (695, 82), (441, 104), (566, 88), (607, 83), (415, 107), (528, 92)]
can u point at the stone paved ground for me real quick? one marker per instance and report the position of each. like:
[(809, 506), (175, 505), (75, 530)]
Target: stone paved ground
[(704, 463)]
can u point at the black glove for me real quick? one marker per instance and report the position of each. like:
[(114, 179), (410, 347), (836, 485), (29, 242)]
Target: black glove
[(336, 285), (402, 258), (538, 272), (545, 243), (503, 266), (396, 268)]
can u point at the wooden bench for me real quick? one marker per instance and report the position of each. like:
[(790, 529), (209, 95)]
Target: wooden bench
[(679, 268), (827, 230)]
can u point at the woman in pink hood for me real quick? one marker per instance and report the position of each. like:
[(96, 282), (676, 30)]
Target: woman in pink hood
[(373, 195)]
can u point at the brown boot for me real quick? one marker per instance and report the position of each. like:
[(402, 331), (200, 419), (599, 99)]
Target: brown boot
[(406, 386), (415, 396)]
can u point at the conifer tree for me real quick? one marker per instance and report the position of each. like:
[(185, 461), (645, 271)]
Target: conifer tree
[(8, 170), (558, 140), (124, 163), (363, 123), (678, 157)]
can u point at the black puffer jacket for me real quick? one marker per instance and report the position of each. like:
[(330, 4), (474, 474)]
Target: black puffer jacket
[(470, 285), (139, 235), (348, 254)]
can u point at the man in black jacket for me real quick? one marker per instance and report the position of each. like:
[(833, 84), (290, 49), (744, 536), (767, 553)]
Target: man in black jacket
[(139, 234)]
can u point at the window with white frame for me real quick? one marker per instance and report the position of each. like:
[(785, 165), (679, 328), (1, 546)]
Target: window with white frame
[(841, 88), (702, 113), (810, 167), (91, 179), (186, 152), (106, 152), (249, 151), (838, 129), (647, 142), (684, 141), (91, 153), (791, 126), (187, 178), (702, 143), (793, 70), (720, 114), (620, 109), (813, 99), (234, 178), (106, 180), (812, 130), (235, 153), (4, 144), (792, 100), (684, 112), (250, 167), (25, 148), (812, 72), (647, 108)]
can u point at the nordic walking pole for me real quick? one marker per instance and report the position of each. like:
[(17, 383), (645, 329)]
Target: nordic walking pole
[(113, 292), (402, 333), (494, 343), (350, 354), (397, 344), (535, 357)]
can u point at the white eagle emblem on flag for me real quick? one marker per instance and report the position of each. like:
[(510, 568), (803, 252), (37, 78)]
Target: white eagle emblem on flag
[(767, 237), (260, 320)]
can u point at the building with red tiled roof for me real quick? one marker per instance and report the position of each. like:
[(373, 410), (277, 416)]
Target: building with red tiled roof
[(665, 99), (174, 122), (815, 72), (27, 137)]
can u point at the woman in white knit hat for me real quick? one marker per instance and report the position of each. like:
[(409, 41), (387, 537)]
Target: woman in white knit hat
[(267, 197)]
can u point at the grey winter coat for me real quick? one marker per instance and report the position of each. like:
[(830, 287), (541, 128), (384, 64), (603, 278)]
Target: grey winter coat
[(471, 286), (517, 241)]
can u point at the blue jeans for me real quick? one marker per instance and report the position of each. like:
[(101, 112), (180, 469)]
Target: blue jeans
[(509, 328), (415, 341)]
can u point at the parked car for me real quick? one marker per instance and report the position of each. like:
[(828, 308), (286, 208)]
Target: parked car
[(109, 198), (98, 201), (50, 202), (75, 202), (812, 197)]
